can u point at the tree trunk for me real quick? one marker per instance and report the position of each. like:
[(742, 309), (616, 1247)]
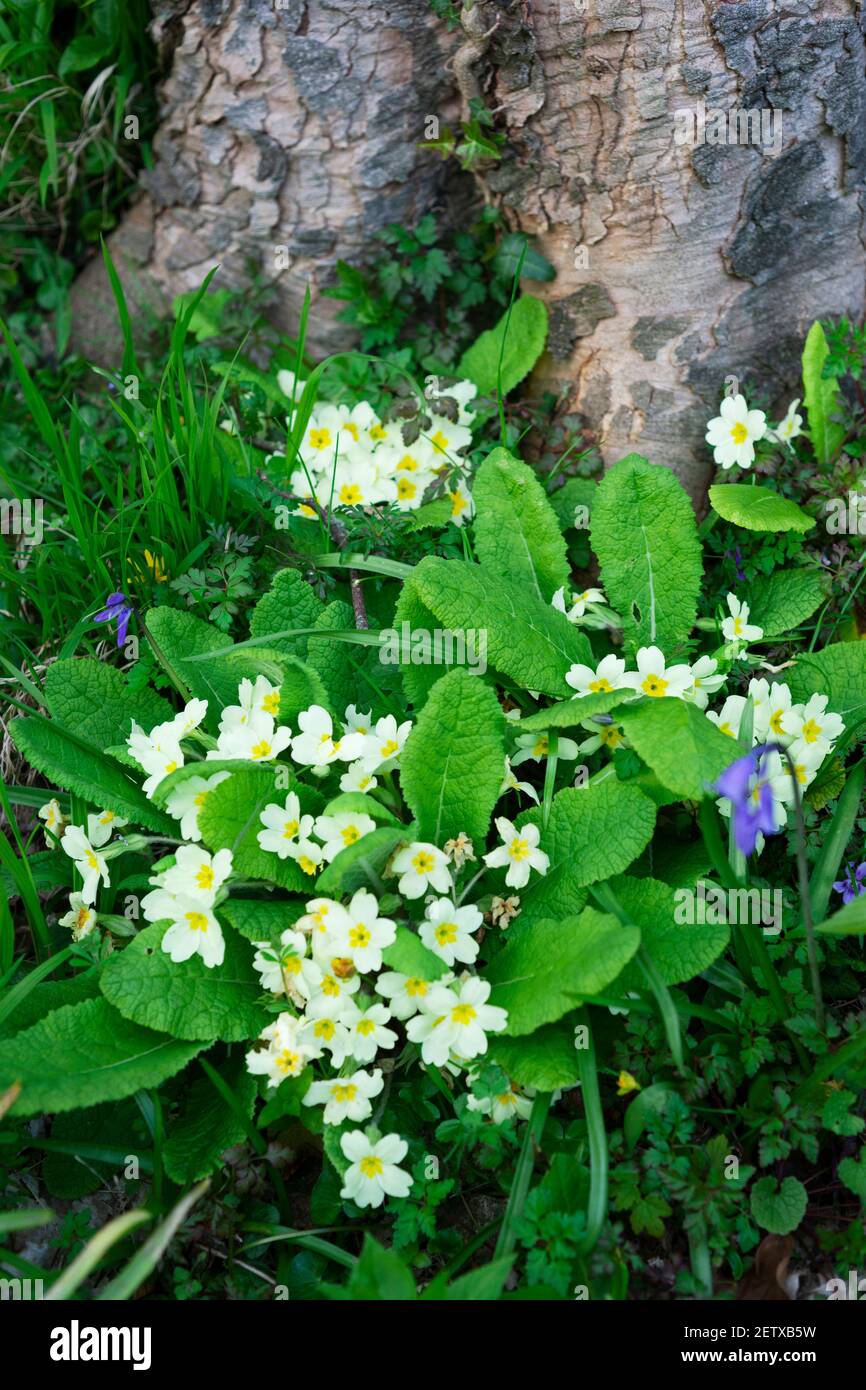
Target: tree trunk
[(289, 131), (678, 263)]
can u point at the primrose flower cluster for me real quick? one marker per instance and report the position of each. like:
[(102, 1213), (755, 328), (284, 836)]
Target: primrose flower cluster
[(341, 1009), (349, 457), (806, 731), (758, 789), (734, 432), (345, 1008)]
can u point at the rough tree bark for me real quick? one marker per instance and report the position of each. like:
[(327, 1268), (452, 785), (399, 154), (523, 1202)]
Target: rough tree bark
[(676, 265), (287, 126)]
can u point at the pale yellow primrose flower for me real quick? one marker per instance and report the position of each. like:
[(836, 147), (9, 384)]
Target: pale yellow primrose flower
[(88, 861), (519, 851), (734, 432), (373, 1173)]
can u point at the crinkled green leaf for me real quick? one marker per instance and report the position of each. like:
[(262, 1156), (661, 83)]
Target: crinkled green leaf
[(44, 998), (780, 601), (678, 951), (516, 531), (545, 1059), (593, 832), (260, 920), (757, 508), (646, 540), (839, 671), (92, 699), (452, 766), (527, 640), (186, 998), (207, 1125), (684, 748), (84, 1054), (289, 603), (57, 753), (548, 967), (524, 344)]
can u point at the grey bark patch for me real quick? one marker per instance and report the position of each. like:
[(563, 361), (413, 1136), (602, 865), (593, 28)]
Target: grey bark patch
[(652, 331), (696, 78), (577, 316), (787, 216)]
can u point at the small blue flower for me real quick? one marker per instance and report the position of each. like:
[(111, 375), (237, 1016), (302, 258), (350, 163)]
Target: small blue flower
[(746, 785), (117, 610), (852, 885)]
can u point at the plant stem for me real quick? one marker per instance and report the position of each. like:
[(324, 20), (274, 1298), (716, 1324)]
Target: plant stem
[(596, 1207)]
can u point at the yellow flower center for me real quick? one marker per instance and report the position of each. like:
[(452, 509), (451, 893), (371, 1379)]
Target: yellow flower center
[(365, 1027), (407, 464), (655, 686), (330, 987), (271, 703), (325, 1028), (306, 864), (738, 627), (377, 432), (458, 503), (291, 830), (739, 433), (602, 684), (350, 494), (200, 799), (351, 428), (405, 489), (439, 442), (542, 746), (371, 1166), (359, 936), (415, 987), (292, 965), (350, 834), (389, 748), (320, 439), (446, 933), (811, 730), (462, 1014), (342, 1094), (776, 721), (171, 767), (91, 859), (423, 862), (287, 1062), (262, 749), (197, 921), (204, 877), (611, 737), (518, 849)]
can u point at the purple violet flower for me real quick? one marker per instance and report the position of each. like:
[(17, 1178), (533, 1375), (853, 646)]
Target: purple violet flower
[(852, 885), (745, 783), (117, 610)]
